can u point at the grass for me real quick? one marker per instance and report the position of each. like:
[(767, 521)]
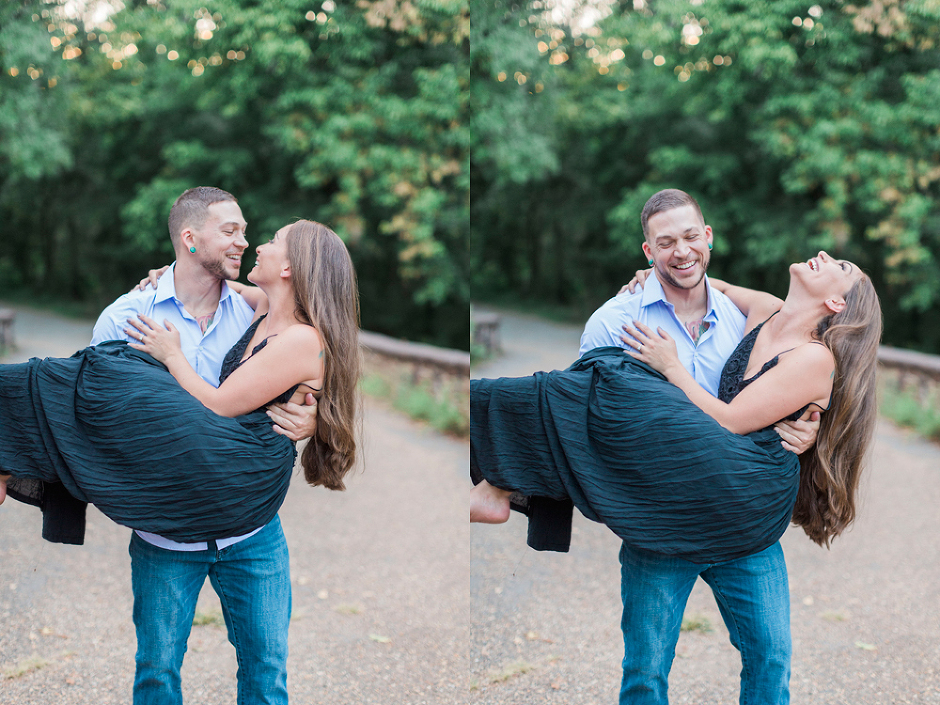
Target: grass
[(442, 402), (419, 402), (911, 409), (208, 619), (477, 352), (27, 665), (532, 306), (55, 304), (511, 670), (696, 623)]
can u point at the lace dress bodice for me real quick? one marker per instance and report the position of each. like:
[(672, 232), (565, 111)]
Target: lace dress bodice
[(233, 360), (732, 380)]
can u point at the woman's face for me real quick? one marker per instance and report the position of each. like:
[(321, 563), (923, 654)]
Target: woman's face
[(826, 277), (271, 262)]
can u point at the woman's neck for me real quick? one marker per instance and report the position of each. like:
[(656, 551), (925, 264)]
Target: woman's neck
[(795, 322), (281, 310)]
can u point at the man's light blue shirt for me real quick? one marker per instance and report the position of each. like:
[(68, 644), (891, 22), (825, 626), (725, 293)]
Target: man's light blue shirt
[(648, 305), (204, 352)]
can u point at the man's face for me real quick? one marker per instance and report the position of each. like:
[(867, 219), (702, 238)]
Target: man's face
[(220, 241), (677, 242)]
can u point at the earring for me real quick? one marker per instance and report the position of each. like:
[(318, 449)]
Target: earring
[(709, 246), (651, 263), (193, 250)]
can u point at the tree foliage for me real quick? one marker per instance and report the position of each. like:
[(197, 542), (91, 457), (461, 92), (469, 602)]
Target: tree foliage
[(798, 127), (355, 114)]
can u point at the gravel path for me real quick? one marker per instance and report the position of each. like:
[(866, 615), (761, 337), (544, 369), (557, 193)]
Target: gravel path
[(865, 614), (379, 577)]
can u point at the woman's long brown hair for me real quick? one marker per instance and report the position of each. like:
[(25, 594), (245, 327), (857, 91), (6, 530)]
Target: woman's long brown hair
[(830, 472), (326, 297)]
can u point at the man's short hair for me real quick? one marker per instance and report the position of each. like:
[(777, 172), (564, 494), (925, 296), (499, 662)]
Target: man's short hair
[(192, 209), (666, 200)]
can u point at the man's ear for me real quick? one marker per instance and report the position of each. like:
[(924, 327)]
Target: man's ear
[(835, 305), (188, 238), (647, 250)]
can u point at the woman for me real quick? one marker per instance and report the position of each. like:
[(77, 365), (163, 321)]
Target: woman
[(190, 461), (662, 464)]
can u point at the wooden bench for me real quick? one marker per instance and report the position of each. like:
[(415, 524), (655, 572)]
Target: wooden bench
[(7, 316), (486, 332)]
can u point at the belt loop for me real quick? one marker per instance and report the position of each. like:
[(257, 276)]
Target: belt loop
[(213, 546)]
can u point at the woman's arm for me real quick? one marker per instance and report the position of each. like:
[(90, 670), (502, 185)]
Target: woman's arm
[(802, 376), (292, 357), (756, 305), (253, 296)]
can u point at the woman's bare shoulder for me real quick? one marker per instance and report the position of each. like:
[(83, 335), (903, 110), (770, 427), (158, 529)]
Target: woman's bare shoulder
[(302, 335), (810, 357)]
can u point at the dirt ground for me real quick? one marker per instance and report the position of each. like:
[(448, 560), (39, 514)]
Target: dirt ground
[(865, 615), (379, 576)]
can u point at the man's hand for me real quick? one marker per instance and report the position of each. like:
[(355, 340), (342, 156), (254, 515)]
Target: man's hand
[(638, 279), (800, 435), (295, 421), (153, 276)]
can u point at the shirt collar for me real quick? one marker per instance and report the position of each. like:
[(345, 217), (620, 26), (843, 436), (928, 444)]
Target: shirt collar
[(166, 287), (653, 293)]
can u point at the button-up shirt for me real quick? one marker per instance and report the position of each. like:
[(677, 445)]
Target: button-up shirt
[(704, 359), (205, 352)]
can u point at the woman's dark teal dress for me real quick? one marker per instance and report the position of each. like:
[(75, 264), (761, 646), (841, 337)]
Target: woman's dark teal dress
[(116, 430), (630, 450)]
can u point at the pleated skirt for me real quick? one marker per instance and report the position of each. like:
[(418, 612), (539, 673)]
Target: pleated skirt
[(113, 426), (631, 451)]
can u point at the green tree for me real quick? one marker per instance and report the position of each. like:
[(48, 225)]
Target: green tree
[(352, 114), (798, 128)]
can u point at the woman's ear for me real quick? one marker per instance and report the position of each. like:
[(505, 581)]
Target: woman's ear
[(835, 305)]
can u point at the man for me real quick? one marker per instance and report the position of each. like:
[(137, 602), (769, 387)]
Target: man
[(250, 573), (752, 592)]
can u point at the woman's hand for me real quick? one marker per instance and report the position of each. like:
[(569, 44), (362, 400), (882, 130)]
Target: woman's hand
[(152, 278), (639, 279), (162, 343), (656, 348)]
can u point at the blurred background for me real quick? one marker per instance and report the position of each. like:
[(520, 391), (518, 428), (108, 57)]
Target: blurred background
[(355, 114), (798, 126)]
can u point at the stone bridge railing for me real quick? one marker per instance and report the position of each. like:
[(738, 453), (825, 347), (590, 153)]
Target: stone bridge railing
[(7, 317), (911, 370), (432, 359), (436, 380)]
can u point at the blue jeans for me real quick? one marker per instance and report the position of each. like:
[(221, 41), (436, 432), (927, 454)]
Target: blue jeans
[(252, 579), (754, 600)]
